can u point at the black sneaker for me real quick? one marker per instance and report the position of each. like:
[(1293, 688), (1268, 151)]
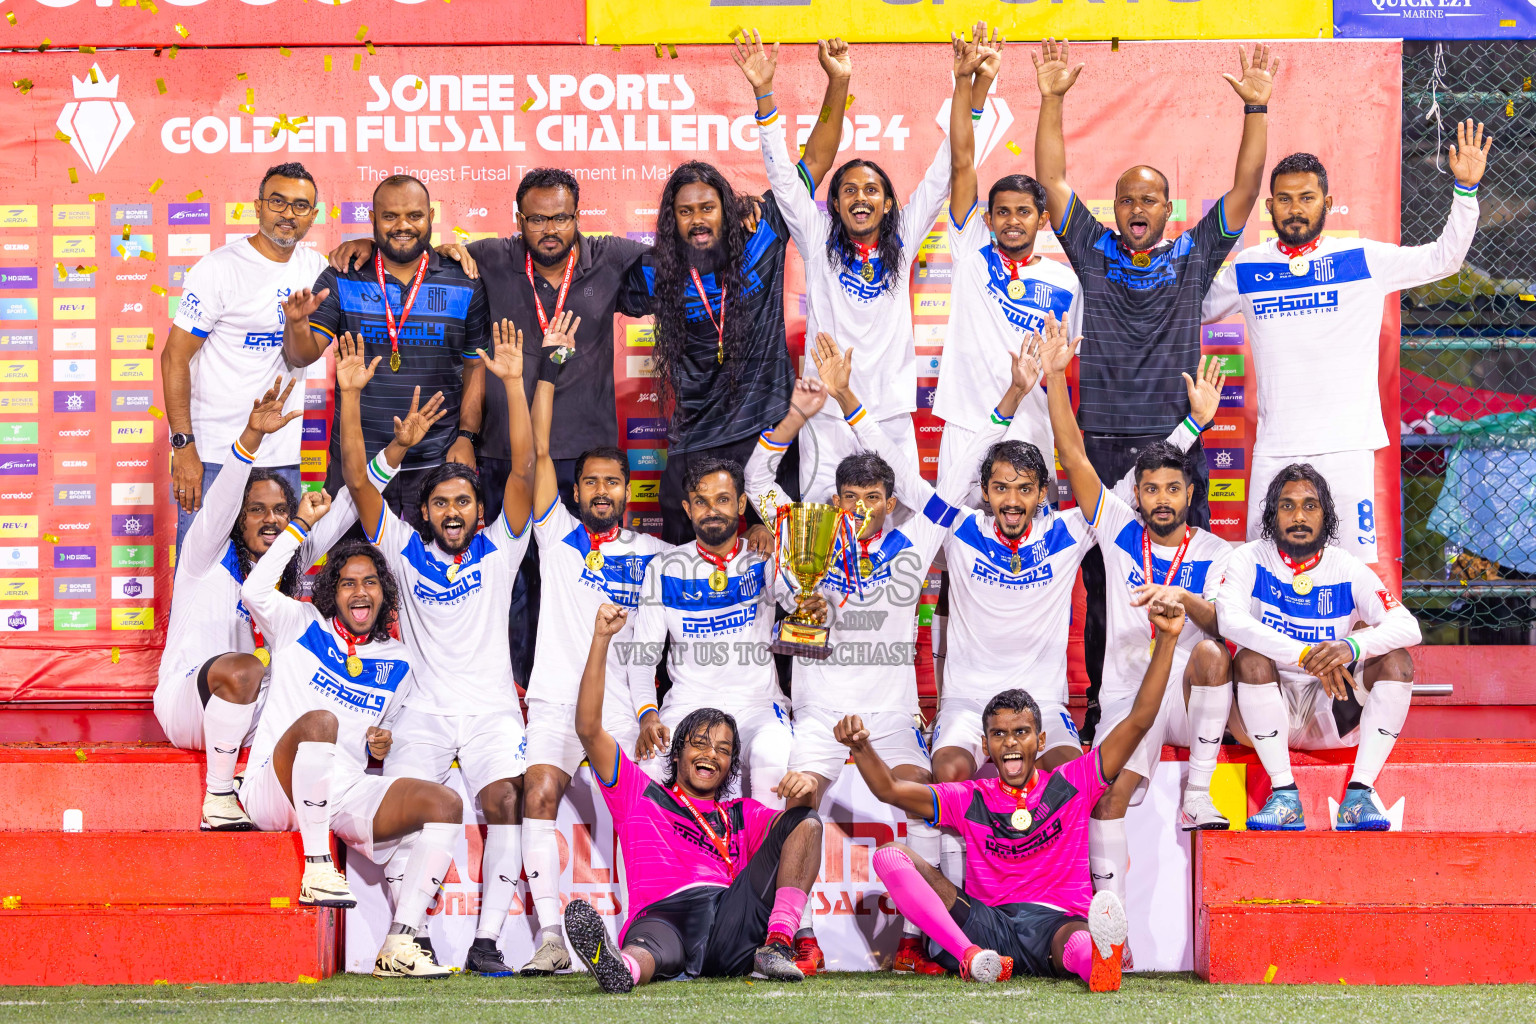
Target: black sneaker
[(485, 960), (776, 962), (585, 931)]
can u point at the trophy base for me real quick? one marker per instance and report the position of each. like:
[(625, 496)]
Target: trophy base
[(801, 640)]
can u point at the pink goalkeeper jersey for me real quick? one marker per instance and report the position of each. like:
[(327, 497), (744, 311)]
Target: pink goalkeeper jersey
[(1046, 864), (665, 851)]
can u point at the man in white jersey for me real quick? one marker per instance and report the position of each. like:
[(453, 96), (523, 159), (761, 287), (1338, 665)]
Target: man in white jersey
[(858, 258), (585, 561), (337, 681), (215, 662), (1150, 551), (1307, 677), (1309, 301), (458, 582), (226, 341)]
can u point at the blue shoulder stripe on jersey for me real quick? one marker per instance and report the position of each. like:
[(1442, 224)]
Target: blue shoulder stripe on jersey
[(694, 595), (545, 515), (369, 690), (939, 512), (1057, 539), (893, 544), (512, 529), (1333, 268), (1192, 572), (1222, 221), (963, 221), (198, 332), (316, 328), (230, 560), (1072, 204), (933, 822), (378, 528), (415, 552), (805, 178), (1323, 601)]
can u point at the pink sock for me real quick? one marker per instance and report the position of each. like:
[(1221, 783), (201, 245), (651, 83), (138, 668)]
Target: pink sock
[(788, 905), (633, 965), (915, 898), (1075, 955)]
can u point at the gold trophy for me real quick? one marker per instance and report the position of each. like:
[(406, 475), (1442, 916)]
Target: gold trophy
[(809, 538)]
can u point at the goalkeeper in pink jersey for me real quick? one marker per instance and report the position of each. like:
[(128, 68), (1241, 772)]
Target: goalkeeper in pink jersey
[(1029, 903)]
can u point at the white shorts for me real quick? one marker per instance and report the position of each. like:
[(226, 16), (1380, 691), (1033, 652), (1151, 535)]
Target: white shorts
[(179, 709), (552, 738), (765, 731), (828, 439), (1310, 709), (956, 443), (959, 725), (488, 747), (1172, 725), (892, 734), (1351, 478), (355, 799)]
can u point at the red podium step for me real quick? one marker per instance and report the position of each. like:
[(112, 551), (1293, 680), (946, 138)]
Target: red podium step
[(147, 787)]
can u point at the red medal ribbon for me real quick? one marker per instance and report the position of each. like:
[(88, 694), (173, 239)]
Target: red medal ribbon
[(714, 559), (865, 542), (864, 249), (599, 539), (565, 287), (1299, 250), (1021, 795), (1012, 265), (350, 637), (1012, 545), (407, 300), (261, 641), (1295, 568), (698, 285), (722, 846), (1173, 568)]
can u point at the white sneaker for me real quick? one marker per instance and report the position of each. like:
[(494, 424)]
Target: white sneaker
[(400, 957), (1199, 813), (324, 886), (550, 958), (222, 813), (1107, 928)]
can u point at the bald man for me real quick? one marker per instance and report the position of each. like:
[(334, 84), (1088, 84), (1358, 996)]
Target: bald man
[(1142, 294)]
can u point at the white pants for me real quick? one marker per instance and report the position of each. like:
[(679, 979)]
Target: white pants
[(959, 725), (766, 737), (488, 747), (1351, 477), (1172, 727), (355, 799), (552, 738), (828, 439), (892, 734)]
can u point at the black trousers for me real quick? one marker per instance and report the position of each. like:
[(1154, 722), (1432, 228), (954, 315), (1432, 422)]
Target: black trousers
[(1113, 456)]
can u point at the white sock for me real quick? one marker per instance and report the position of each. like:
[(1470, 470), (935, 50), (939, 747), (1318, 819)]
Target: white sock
[(1109, 855), (1209, 708), (952, 857), (224, 729), (1386, 709), (394, 868), (499, 868), (424, 873), (925, 841), (541, 859), (1269, 726), (312, 795), (808, 916)]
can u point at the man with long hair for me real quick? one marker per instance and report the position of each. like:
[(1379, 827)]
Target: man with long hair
[(715, 885), (1309, 300), (337, 681), (1307, 678), (458, 580), (215, 661)]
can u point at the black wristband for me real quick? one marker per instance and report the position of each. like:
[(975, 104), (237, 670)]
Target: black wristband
[(1256, 108), (549, 370)]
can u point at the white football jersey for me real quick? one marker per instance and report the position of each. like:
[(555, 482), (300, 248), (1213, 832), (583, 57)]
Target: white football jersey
[(309, 666), (233, 300), (866, 314), (1258, 606), (571, 592), (208, 617), (1316, 336), (453, 615)]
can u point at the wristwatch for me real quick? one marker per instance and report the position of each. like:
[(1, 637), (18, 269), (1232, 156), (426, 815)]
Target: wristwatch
[(474, 438), (179, 440), (1255, 108)]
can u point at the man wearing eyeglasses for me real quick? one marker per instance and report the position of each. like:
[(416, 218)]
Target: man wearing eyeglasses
[(226, 341)]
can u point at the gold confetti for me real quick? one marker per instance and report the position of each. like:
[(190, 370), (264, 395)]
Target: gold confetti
[(51, 538), (1509, 108), (1528, 298), (130, 3), (160, 86), (327, 62), (172, 52), (60, 135), (460, 232), (335, 211), (11, 902), (1013, 147), (94, 79), (156, 186), (851, 98), (239, 209), (357, 62), (116, 655), (147, 254), (1269, 975), (369, 47), (158, 291), (1114, 44), (97, 197), (305, 979), (43, 47), (196, 193), (658, 50), (122, 251), (74, 177), (87, 49), (418, 84), (84, 269), (241, 76), (126, 228), (283, 51), (826, 112), (60, 268), (149, 341), (617, 48), (362, 33), (1526, 86), (10, 16), (148, 5), (79, 754), (279, 901), (23, 84), (160, 981), (154, 410), (528, 104), (181, 30), (672, 51)]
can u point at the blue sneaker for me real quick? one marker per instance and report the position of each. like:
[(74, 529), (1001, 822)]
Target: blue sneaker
[(1358, 813), (1281, 813)]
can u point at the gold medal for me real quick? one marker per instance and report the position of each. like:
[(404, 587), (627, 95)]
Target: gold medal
[(1015, 289), (1300, 266), (354, 666), (394, 362), (717, 580), (263, 656), (866, 567), (595, 560), (1022, 820), (1151, 647), (1301, 583), (453, 572), (1013, 566), (1141, 259), (720, 354), (867, 271)]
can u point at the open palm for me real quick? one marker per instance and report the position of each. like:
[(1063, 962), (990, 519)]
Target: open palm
[(1053, 68)]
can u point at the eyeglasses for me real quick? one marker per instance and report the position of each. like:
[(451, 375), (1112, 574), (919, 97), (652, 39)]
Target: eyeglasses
[(537, 220), (300, 207)]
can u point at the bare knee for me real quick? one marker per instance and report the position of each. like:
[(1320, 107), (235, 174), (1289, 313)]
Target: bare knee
[(442, 804), (1396, 665), (951, 764), (541, 794), (236, 678), (501, 801), (1210, 664), (809, 828), (314, 727), (1253, 667)]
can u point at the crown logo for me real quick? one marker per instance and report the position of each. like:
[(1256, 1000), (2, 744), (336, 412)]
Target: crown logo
[(100, 88), (96, 121)]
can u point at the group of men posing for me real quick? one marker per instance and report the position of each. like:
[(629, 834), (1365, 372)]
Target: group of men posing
[(1022, 870)]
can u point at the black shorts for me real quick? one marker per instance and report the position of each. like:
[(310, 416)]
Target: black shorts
[(1023, 931), (713, 931)]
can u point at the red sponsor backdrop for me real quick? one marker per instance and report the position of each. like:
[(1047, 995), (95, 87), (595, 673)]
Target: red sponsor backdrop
[(85, 575)]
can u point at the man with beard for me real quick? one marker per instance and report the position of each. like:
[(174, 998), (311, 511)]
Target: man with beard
[(458, 579), (858, 257), (586, 561), (337, 681), (1311, 301), (715, 885), (226, 340), (1291, 602), (420, 313), (213, 670)]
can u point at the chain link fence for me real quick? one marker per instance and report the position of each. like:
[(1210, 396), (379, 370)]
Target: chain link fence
[(1469, 353)]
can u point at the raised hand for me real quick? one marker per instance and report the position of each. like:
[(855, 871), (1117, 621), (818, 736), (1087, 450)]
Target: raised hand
[(506, 358), (313, 507), (1057, 347), (835, 59), (301, 303), (267, 411), (1258, 77), (1053, 70), (418, 419), (991, 51), (1468, 155), (1205, 390), (808, 397), (834, 365), (757, 62), (610, 619), (850, 732), (1026, 364), (353, 372), (561, 332), (967, 55)]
